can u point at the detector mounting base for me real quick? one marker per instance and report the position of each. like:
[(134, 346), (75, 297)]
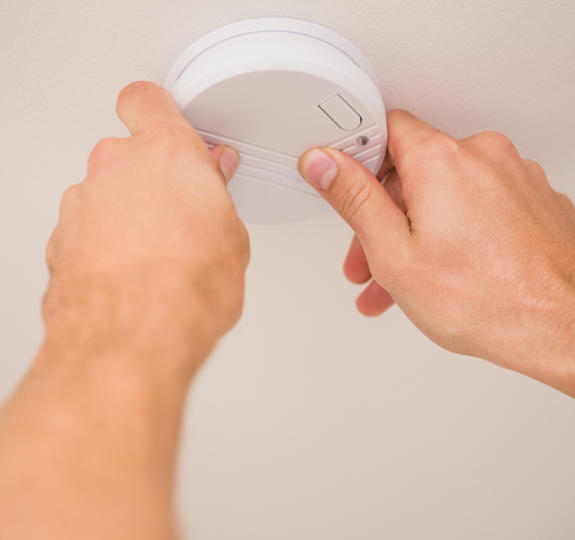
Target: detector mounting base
[(272, 88)]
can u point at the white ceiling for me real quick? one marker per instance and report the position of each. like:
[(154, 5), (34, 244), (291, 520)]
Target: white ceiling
[(310, 421)]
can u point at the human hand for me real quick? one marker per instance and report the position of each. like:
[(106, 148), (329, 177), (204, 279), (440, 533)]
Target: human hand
[(149, 243), (467, 238), (147, 268)]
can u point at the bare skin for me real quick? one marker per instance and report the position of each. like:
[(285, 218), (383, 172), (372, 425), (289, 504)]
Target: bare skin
[(469, 240), (147, 271)]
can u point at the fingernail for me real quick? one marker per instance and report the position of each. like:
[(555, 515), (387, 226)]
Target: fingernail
[(229, 162), (319, 169)]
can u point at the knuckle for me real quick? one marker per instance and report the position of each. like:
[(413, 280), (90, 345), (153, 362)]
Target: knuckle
[(104, 152), (243, 243), (240, 240), (53, 249), (49, 253), (353, 199), (51, 300), (534, 167), (439, 143), (231, 253), (70, 197), (443, 142), (497, 144)]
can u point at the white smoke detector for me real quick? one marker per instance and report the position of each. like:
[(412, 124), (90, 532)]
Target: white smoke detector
[(273, 88)]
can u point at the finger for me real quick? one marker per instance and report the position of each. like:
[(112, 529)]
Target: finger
[(386, 167), (374, 300), (393, 187), (405, 135), (356, 267), (142, 105), (358, 197), (226, 159)]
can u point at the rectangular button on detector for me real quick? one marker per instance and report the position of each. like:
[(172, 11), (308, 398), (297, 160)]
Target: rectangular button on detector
[(341, 112)]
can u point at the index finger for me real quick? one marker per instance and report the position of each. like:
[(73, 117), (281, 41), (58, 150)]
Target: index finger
[(405, 132), (143, 105)]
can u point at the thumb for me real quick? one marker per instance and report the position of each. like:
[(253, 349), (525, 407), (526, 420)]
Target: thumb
[(226, 159), (357, 196)]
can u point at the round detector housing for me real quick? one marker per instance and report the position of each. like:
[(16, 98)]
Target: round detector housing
[(273, 88)]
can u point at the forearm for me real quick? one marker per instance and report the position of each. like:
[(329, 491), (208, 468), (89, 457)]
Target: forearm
[(540, 341), (147, 265), (88, 442)]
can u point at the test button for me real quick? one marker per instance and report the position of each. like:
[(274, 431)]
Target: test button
[(341, 113)]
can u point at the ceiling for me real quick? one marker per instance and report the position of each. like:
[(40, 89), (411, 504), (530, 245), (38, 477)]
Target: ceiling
[(310, 421)]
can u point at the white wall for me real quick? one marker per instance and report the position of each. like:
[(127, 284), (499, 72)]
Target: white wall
[(310, 421)]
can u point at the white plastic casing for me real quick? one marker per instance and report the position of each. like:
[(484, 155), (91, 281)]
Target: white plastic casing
[(272, 88)]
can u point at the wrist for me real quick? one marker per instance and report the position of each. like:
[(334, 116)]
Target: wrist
[(147, 318), (561, 360), (544, 344)]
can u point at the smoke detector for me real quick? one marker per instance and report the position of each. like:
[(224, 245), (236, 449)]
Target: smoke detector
[(273, 88)]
